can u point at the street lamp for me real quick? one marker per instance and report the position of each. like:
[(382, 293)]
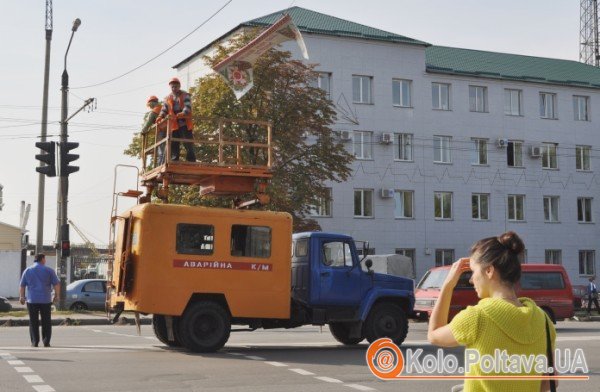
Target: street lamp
[(63, 232)]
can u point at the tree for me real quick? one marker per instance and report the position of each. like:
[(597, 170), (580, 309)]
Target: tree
[(283, 95)]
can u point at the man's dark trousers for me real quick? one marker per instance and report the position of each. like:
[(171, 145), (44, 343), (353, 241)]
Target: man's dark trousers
[(35, 310)]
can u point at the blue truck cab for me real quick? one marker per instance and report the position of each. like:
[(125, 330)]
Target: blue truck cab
[(331, 286)]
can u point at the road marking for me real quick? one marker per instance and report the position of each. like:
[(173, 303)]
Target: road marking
[(276, 364), (96, 330), (16, 362), (24, 369), (32, 378), (43, 388), (359, 387), (237, 354), (302, 372), (254, 357), (329, 379)]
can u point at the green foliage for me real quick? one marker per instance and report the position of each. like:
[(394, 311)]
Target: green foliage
[(282, 96)]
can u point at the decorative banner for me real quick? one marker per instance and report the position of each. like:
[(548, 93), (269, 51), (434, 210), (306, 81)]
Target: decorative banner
[(237, 68)]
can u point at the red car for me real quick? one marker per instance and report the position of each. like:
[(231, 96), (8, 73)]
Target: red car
[(547, 284)]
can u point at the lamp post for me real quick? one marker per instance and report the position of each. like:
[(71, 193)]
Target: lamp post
[(63, 232)]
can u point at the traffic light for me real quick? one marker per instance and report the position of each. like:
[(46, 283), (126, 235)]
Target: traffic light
[(66, 158), (49, 158)]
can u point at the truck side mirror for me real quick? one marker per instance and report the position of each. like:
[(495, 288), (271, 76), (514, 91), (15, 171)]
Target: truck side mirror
[(369, 264)]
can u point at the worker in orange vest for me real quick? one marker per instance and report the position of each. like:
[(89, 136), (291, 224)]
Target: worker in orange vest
[(178, 106)]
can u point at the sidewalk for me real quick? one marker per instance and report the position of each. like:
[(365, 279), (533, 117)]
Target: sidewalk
[(70, 319)]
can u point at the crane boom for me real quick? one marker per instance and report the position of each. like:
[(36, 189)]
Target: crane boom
[(89, 244)]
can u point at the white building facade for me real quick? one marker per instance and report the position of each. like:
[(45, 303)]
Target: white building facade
[(453, 145)]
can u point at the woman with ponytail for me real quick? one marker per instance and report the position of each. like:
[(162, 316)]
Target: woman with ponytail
[(500, 321)]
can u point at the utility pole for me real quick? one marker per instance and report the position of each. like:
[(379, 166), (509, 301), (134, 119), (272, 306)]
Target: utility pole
[(65, 246), (39, 238)]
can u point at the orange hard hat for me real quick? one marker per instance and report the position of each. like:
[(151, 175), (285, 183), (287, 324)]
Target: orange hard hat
[(152, 98), (174, 80)]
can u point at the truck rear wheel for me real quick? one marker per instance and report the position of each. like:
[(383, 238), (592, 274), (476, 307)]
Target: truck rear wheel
[(159, 325), (204, 327), (341, 333), (386, 320)]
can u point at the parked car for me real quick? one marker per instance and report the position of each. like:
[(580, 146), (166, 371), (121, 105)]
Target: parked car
[(547, 284), (5, 306), (86, 294)]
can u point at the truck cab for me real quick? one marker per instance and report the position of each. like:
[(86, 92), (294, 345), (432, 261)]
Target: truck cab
[(334, 286)]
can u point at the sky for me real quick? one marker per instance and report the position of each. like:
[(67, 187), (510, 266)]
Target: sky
[(116, 36)]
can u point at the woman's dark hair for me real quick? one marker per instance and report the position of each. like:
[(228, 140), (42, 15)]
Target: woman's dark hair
[(502, 252)]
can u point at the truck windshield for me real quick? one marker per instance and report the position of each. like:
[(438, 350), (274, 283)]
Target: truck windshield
[(433, 279)]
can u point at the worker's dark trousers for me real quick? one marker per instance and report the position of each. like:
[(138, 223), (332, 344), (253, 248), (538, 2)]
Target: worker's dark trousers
[(595, 301), (183, 133), (35, 310)]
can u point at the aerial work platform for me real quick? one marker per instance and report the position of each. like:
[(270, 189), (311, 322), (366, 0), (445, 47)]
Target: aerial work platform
[(233, 158)]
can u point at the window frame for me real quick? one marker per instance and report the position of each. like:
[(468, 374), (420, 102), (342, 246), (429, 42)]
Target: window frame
[(399, 140), (319, 84), (402, 200), (586, 262), (325, 204), (553, 255), (439, 94), (191, 251), (362, 203), (442, 260), (476, 161), (365, 146), (577, 99), (442, 196), (511, 146), (362, 89), (508, 95), (583, 208), (478, 196), (347, 252), (544, 106), (515, 206), (442, 149), (269, 247), (580, 158), (548, 217), (474, 100), (400, 83), (548, 158)]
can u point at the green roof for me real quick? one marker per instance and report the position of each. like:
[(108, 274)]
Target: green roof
[(468, 62), (309, 21)]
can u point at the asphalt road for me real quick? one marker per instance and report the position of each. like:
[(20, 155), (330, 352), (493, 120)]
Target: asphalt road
[(115, 358)]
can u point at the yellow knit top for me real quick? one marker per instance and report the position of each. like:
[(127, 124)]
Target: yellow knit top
[(497, 324)]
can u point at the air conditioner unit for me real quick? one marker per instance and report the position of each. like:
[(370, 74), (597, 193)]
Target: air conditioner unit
[(345, 135), (502, 143), (386, 138), (387, 193), (535, 151)]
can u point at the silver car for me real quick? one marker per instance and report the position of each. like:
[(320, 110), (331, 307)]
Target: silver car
[(86, 294)]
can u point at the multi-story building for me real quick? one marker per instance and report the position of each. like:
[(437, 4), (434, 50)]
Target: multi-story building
[(453, 145)]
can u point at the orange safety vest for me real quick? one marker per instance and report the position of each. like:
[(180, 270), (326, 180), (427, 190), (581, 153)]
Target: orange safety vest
[(156, 110), (173, 120)]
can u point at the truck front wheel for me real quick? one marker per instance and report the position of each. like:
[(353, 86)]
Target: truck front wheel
[(341, 333), (386, 320), (159, 325), (204, 327)]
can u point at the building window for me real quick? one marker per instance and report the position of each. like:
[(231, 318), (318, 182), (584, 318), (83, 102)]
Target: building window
[(582, 155), (410, 253), (442, 205), (363, 203), (441, 149), (361, 89), (478, 99), (514, 154), (404, 204), (323, 207), (444, 257), (322, 81), (363, 145), (551, 208), (404, 148), (580, 108), (194, 239), (513, 102), (440, 96), (584, 209), (480, 153), (548, 105), (251, 241), (401, 92), (516, 207), (587, 262), (480, 206), (553, 256), (549, 160)]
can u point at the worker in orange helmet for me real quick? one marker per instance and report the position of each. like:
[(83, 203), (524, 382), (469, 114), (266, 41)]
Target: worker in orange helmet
[(155, 107), (178, 106)]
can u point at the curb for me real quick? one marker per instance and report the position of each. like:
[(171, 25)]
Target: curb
[(67, 321)]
